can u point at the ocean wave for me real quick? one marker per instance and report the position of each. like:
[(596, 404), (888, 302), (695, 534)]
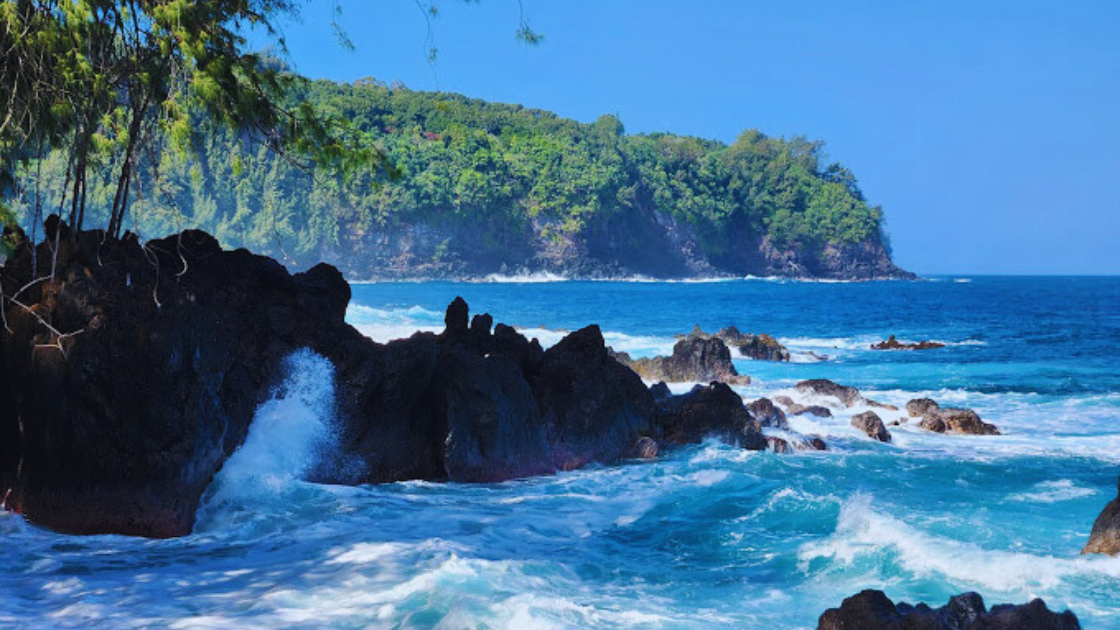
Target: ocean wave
[(870, 543), (527, 277), (1054, 492)]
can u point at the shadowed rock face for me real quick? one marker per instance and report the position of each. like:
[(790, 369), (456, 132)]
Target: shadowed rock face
[(709, 411), (873, 610), (120, 426), (1105, 537)]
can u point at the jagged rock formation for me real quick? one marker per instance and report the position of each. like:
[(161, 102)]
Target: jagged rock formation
[(873, 610), (131, 378)]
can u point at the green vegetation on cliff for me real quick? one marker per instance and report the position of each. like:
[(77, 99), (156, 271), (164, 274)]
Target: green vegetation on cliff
[(480, 185)]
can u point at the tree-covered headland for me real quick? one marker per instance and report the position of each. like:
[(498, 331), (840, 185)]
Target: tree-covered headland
[(384, 181)]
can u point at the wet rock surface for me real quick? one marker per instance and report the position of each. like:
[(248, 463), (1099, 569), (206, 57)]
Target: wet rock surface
[(848, 396), (871, 424), (1105, 537), (948, 419), (709, 411), (873, 610)]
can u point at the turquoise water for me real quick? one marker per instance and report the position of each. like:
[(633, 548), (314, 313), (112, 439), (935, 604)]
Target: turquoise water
[(710, 536)]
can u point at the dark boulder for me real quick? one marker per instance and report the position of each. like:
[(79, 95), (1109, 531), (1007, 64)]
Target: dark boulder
[(767, 414), (709, 411), (894, 344), (870, 423), (763, 348), (873, 610), (694, 358), (1105, 537)]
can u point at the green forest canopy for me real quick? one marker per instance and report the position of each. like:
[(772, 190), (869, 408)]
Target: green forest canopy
[(457, 161)]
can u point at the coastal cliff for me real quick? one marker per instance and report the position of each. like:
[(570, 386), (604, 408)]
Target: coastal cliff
[(468, 188)]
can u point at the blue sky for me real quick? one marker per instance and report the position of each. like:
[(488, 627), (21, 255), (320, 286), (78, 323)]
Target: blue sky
[(989, 131)]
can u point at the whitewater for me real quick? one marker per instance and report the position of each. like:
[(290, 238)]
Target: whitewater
[(706, 537)]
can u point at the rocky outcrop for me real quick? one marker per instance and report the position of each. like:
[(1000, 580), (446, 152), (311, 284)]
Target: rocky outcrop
[(848, 396), (920, 407), (708, 411), (1105, 537), (694, 359), (870, 423), (795, 409), (873, 610), (767, 414), (948, 419), (130, 379), (761, 347), (894, 344)]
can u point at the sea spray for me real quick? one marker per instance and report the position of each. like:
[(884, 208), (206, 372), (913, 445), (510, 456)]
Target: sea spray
[(292, 434)]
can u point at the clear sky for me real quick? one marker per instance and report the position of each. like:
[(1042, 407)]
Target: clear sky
[(989, 130)]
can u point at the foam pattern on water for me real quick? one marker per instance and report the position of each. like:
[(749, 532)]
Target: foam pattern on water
[(708, 537)]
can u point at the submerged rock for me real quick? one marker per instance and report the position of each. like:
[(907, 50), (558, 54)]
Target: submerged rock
[(848, 396), (894, 344), (873, 610), (870, 423), (1105, 537), (795, 409), (694, 358)]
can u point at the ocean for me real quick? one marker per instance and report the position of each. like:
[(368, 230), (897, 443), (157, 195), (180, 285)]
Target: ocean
[(708, 536)]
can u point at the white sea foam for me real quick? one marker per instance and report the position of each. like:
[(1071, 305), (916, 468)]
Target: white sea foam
[(864, 534), (290, 435), (1054, 492), (525, 277)]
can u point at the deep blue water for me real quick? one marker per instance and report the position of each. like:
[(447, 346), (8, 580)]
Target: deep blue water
[(708, 537)]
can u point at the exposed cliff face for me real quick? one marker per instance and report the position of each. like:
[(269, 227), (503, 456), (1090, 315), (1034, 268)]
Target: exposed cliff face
[(651, 245)]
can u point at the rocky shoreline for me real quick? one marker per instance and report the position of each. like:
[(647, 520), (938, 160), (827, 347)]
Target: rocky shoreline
[(135, 374)]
